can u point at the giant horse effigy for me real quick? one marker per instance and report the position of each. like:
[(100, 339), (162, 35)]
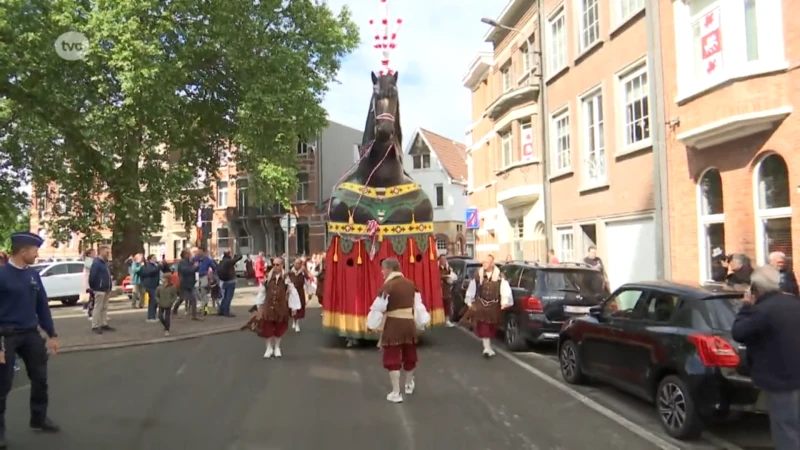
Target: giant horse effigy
[(377, 212)]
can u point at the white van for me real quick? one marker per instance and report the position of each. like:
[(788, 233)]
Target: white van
[(62, 280)]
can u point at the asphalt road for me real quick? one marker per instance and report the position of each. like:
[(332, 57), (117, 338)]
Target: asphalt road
[(218, 393)]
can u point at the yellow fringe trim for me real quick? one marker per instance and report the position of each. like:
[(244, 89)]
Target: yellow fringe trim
[(351, 323)]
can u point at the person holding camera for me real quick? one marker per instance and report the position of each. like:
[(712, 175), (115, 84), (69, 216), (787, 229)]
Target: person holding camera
[(767, 325)]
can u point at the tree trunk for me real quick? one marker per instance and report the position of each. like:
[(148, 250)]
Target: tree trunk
[(127, 241)]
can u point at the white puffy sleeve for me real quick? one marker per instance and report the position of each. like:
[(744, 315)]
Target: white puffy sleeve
[(452, 277), (375, 316), (421, 315), (294, 297), (506, 296), (469, 297), (261, 296)]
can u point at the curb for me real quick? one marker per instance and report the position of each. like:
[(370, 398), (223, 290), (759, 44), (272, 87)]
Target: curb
[(161, 340)]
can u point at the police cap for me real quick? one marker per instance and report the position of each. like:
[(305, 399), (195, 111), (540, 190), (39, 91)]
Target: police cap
[(26, 239)]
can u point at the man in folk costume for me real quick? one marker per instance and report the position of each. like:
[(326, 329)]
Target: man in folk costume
[(448, 277), (277, 301), (487, 295), (301, 281), (398, 312)]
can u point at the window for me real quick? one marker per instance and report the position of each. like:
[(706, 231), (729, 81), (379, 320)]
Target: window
[(41, 205), (711, 226), (43, 234), (622, 304), (304, 149), (566, 245), (302, 188), (422, 161), (505, 74), (773, 209), (590, 23), (517, 236), (222, 194), (506, 149), (439, 195), (556, 28), (636, 107), (303, 239), (526, 55), (441, 246), (58, 269), (224, 157), (659, 307), (562, 157), (75, 268), (719, 40), (72, 240), (627, 8), (526, 140), (223, 239), (593, 139), (243, 240), (241, 196)]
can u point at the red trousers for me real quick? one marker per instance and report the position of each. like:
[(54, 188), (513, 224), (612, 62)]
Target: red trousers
[(396, 357), (301, 313), (271, 329), (485, 330)]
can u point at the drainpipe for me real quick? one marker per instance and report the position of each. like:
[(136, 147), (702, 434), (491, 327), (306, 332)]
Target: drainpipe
[(543, 140), (658, 135)]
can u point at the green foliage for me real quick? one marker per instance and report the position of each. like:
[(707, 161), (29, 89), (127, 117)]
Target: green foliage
[(10, 223), (167, 89)]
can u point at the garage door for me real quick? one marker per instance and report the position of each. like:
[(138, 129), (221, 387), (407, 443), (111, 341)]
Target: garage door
[(631, 251)]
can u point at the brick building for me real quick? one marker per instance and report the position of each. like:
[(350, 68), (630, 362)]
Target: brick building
[(732, 129), (504, 154)]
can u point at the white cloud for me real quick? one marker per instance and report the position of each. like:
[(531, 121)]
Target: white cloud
[(435, 44)]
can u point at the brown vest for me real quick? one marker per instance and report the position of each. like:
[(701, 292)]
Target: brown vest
[(486, 306), (276, 306), (401, 293), (299, 282), (444, 272)]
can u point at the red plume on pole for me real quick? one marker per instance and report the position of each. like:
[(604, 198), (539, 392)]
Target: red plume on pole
[(385, 39)]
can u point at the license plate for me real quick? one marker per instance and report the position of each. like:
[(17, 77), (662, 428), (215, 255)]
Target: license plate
[(577, 309)]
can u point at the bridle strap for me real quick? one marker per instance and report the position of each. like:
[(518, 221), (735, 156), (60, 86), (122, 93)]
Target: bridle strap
[(385, 116)]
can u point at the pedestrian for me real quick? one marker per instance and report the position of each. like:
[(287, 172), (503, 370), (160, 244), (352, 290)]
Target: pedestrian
[(551, 257), (227, 276), (260, 268), (134, 270), (88, 258), (150, 276), (767, 325), (249, 271), (447, 277), (397, 313), (788, 279), (277, 300), (166, 296), (321, 282), (301, 279), (23, 310), (487, 295), (205, 267), (186, 285), (739, 269), (100, 284)]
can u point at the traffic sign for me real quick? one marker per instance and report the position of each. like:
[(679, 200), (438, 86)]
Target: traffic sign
[(472, 219), (288, 221)]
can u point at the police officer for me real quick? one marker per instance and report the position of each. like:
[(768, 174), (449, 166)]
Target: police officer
[(24, 308)]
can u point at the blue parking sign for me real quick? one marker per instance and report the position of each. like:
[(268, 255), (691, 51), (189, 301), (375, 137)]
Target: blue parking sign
[(472, 219)]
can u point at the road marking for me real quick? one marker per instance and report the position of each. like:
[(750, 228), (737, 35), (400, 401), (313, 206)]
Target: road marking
[(634, 428), (719, 442)]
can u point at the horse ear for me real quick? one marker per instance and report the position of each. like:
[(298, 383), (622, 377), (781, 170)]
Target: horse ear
[(394, 76), (374, 78)]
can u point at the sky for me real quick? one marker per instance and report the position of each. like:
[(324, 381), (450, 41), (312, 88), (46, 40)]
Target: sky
[(435, 45)]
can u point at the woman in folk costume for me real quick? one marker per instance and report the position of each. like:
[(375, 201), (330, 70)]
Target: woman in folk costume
[(487, 296), (277, 302), (397, 313), (301, 279), (447, 277)]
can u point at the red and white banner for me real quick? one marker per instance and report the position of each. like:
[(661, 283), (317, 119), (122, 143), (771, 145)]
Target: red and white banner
[(711, 42), (527, 145)]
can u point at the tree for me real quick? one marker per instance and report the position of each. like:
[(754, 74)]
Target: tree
[(167, 88), (13, 218)]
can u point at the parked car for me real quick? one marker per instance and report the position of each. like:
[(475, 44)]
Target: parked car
[(669, 344), (62, 280), (546, 296)]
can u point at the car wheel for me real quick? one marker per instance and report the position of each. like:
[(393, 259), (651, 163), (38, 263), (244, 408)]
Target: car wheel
[(70, 301), (570, 362), (514, 339), (676, 409)]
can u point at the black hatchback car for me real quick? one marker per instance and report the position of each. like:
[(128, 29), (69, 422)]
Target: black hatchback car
[(669, 344), (545, 296)]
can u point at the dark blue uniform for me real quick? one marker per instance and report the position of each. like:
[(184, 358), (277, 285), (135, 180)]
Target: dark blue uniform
[(23, 309)]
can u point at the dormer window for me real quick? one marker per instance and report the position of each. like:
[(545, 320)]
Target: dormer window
[(421, 155)]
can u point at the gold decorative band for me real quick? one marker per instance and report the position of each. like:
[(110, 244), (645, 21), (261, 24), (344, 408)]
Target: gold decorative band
[(383, 230), (373, 192)]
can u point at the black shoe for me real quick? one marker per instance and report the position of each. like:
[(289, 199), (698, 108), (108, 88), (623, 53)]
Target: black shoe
[(230, 315), (97, 331), (108, 328), (45, 426)]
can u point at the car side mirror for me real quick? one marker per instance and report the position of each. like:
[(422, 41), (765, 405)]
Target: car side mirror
[(596, 312)]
